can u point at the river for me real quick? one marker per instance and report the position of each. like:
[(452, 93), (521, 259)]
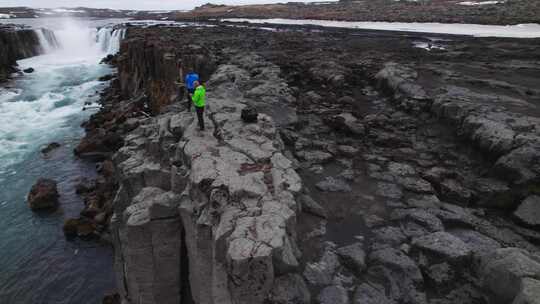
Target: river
[(38, 264)]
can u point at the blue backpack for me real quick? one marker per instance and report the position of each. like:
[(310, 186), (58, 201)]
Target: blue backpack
[(190, 80)]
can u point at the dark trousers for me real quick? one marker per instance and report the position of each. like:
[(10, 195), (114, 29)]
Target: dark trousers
[(189, 95), (200, 116)]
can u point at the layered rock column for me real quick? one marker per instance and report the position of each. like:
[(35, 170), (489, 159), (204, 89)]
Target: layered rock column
[(227, 194)]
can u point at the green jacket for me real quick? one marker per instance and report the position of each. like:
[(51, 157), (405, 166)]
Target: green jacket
[(199, 96)]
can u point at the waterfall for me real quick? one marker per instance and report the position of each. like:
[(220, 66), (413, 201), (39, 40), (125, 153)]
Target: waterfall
[(108, 39), (47, 40)]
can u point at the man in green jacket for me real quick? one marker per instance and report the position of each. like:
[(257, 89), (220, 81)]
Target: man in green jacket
[(199, 100)]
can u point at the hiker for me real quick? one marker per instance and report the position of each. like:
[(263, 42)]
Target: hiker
[(190, 79), (199, 100)]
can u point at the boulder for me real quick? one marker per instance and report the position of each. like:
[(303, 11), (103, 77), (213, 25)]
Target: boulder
[(371, 294), (353, 256), (43, 195), (528, 212), (397, 261), (50, 147), (503, 271), (529, 292), (29, 70), (290, 288), (249, 115), (452, 191), (334, 295), (443, 245)]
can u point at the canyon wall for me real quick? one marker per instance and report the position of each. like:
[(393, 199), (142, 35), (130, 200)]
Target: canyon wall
[(15, 44)]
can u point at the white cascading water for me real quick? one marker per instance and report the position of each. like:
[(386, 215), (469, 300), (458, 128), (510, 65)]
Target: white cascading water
[(47, 40), (108, 39), (64, 76)]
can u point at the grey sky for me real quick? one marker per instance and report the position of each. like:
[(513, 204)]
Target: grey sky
[(131, 4)]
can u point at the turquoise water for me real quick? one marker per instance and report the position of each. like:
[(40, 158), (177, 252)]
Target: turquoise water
[(38, 265)]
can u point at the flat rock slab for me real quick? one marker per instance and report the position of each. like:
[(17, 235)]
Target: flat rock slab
[(443, 245), (529, 211)]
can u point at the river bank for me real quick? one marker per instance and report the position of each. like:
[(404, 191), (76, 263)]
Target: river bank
[(378, 170)]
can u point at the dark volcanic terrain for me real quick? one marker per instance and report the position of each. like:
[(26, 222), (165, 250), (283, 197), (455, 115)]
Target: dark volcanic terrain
[(378, 172), (445, 11)]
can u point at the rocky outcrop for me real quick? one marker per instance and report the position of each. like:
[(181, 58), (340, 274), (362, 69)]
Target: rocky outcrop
[(16, 43), (146, 66), (211, 212), (509, 138)]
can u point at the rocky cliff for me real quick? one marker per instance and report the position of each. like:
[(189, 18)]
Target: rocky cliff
[(16, 43), (371, 176)]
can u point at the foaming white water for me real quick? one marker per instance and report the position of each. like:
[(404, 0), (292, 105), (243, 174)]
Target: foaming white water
[(478, 30), (46, 105)]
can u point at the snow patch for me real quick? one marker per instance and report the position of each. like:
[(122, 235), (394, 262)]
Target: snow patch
[(475, 3), (531, 30)]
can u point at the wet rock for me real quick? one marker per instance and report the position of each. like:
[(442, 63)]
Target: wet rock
[(50, 147), (504, 270), (70, 227), (529, 211), (43, 195), (353, 256), (290, 288), (112, 299), (249, 115), (309, 205), (331, 184), (85, 186), (371, 294), (78, 227), (29, 70), (334, 295), (106, 77), (443, 245)]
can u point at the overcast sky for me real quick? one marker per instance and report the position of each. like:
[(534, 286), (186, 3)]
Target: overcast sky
[(131, 4)]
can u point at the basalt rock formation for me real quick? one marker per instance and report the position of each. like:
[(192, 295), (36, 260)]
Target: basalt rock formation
[(16, 43), (379, 173)]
